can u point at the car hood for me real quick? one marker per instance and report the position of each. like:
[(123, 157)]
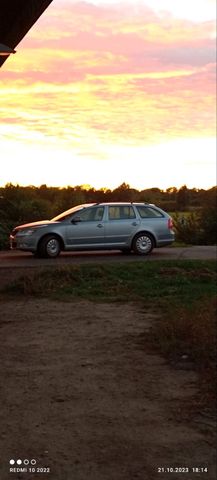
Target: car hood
[(33, 224)]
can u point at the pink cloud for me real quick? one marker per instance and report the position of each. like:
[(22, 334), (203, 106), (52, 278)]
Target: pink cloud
[(140, 75), (76, 39), (82, 26)]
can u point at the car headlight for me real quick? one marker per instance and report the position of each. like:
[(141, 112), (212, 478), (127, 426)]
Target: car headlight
[(26, 232)]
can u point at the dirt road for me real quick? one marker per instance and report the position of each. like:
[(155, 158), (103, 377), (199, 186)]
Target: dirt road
[(82, 397)]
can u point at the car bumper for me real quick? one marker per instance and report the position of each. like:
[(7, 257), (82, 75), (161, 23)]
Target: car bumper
[(22, 243), (166, 240)]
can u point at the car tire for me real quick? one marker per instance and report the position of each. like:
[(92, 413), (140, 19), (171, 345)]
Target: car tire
[(49, 247), (143, 244)]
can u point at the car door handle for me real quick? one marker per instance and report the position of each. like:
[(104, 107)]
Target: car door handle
[(99, 225), (134, 224)]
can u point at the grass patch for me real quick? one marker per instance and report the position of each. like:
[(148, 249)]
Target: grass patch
[(187, 336), (160, 283), (188, 331)]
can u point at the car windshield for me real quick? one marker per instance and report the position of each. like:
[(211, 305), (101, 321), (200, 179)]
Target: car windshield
[(69, 213)]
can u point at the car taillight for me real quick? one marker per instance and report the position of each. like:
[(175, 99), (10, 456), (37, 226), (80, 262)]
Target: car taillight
[(170, 223)]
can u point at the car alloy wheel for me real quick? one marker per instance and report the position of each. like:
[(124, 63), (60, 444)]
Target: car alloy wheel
[(143, 244), (52, 247), (49, 247)]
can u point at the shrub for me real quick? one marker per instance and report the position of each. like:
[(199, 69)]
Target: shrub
[(208, 224), (187, 228), (196, 228)]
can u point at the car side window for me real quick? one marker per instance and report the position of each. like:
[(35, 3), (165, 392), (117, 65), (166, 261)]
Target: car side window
[(148, 212), (94, 214), (121, 212)]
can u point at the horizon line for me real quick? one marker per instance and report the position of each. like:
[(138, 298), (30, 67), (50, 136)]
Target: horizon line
[(87, 187)]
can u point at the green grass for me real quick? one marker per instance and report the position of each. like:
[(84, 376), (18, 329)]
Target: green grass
[(157, 283)]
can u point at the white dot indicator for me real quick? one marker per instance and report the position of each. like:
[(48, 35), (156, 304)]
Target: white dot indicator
[(33, 461), (12, 462), (19, 462)]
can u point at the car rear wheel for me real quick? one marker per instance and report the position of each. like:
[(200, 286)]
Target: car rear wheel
[(143, 244), (49, 247)]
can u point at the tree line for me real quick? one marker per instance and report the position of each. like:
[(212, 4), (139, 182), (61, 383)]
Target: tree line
[(20, 204)]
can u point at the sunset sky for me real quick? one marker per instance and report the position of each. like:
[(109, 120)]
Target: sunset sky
[(102, 92)]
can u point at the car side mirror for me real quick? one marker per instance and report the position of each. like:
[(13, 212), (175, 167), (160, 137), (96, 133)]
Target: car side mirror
[(76, 219)]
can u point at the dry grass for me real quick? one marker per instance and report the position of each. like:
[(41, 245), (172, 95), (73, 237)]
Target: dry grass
[(187, 337), (190, 331)]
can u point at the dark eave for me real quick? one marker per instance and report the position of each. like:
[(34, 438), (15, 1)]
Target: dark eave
[(16, 18)]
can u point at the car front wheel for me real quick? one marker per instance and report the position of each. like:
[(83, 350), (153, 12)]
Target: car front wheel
[(143, 244), (49, 247)]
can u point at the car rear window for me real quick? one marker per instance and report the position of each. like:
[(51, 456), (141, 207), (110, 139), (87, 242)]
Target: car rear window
[(148, 212)]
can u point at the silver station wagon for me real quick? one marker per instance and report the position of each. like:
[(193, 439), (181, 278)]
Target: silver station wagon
[(137, 227)]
